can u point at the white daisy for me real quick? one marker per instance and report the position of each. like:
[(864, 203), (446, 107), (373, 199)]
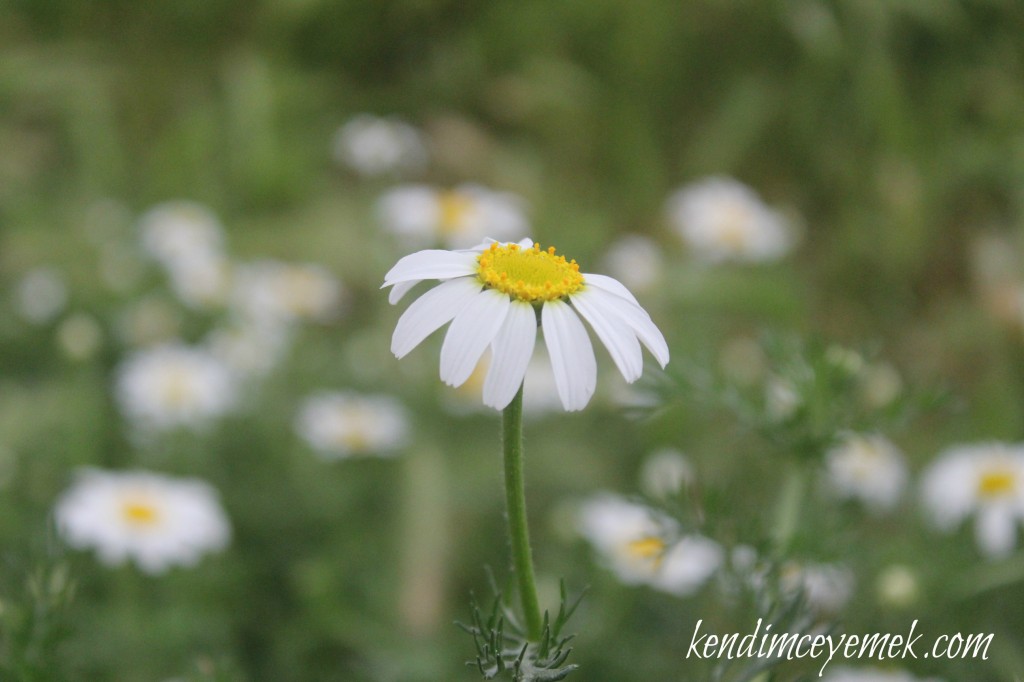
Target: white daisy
[(641, 546), (986, 480), (898, 586), (80, 336), (247, 348), (202, 282), (339, 424), (665, 473), (372, 145), (868, 468), (636, 261), (151, 519), (687, 564), (458, 218), (271, 292), (721, 219), (825, 587), (173, 386), (493, 295), (148, 321), (178, 231), (41, 295)]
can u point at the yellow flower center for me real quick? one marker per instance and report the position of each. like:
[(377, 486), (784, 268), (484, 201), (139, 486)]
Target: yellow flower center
[(996, 483), (453, 207), (529, 274), (733, 226), (139, 513), (177, 389), (649, 548)]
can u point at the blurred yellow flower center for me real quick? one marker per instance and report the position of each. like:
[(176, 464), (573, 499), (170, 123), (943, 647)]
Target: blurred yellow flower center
[(529, 274), (139, 513), (453, 207), (355, 440), (996, 483), (647, 548), (177, 389)]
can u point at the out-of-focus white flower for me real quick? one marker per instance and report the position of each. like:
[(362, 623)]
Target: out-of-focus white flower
[(642, 546), (665, 473), (174, 386), (41, 295), (880, 384), (148, 321), (178, 231), (636, 261), (202, 282), (846, 674), (781, 398), (339, 424), (986, 480), (869, 468), (79, 336), (151, 519), (273, 292), (846, 359), (248, 349), (826, 587), (373, 145), (721, 219), (687, 564), (898, 586), (457, 218)]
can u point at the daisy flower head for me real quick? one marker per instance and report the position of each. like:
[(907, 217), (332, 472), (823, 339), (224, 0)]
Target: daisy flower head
[(458, 217), (273, 292), (153, 520), (41, 295), (636, 261), (721, 220), (374, 145), (826, 587), (341, 424), (173, 386), (868, 468), (986, 480), (493, 295), (642, 546), (177, 231)]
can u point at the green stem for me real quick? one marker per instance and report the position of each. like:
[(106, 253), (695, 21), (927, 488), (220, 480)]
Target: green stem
[(515, 498), (787, 513)]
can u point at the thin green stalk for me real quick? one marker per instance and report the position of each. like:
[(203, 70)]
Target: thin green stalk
[(787, 513), (515, 498)]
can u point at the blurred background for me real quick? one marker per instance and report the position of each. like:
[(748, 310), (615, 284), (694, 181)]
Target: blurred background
[(227, 183)]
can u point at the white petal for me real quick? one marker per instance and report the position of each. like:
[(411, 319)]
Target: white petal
[(618, 337), (572, 356), (471, 332), (611, 285), (431, 264), (510, 355), (637, 319), (995, 529), (431, 311), (400, 290)]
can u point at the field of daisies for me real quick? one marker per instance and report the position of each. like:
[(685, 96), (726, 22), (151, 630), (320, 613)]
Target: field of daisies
[(411, 341)]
